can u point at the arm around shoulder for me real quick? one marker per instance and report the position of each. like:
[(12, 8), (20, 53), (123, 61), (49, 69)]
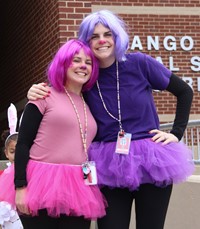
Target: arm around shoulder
[(38, 91)]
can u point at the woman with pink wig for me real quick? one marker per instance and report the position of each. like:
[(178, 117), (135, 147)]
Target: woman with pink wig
[(55, 183)]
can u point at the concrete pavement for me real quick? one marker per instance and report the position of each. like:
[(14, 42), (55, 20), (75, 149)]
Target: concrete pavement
[(184, 207)]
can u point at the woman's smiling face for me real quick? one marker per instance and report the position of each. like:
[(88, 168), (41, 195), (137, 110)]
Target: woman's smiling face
[(103, 45), (79, 71)]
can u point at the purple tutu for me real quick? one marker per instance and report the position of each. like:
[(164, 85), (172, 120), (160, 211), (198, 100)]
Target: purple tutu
[(147, 162), (59, 188)]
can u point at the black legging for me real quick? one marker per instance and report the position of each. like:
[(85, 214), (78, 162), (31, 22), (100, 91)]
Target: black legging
[(151, 204), (43, 221)]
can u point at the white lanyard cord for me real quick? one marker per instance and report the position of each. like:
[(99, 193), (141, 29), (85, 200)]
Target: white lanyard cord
[(119, 119)]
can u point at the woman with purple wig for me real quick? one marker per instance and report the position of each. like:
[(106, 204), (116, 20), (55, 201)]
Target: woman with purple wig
[(55, 183), (135, 160)]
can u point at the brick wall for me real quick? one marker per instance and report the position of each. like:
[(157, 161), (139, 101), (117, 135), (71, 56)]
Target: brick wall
[(32, 31), (31, 37)]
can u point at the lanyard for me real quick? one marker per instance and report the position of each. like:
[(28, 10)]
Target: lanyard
[(119, 119), (83, 134)]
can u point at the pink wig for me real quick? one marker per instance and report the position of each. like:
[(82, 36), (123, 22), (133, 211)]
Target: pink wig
[(58, 67)]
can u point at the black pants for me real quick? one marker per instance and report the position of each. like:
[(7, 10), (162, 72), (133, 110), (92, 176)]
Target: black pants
[(43, 221), (151, 204)]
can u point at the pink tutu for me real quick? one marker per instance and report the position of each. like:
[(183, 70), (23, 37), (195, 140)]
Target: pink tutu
[(59, 188), (147, 162)]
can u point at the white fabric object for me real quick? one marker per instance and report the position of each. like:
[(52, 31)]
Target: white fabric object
[(9, 219), (6, 212), (12, 118), (8, 164)]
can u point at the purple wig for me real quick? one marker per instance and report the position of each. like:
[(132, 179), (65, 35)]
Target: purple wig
[(112, 22), (58, 67)]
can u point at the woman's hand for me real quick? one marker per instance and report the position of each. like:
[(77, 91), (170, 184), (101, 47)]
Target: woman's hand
[(38, 91), (161, 136), (20, 201)]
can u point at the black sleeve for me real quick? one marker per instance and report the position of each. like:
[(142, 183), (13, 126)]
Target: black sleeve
[(184, 94), (28, 129)]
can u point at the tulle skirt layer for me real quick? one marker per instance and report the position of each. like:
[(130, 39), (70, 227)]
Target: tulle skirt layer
[(58, 188), (147, 162)]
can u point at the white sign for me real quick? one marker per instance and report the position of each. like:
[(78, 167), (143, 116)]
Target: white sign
[(186, 43), (190, 82)]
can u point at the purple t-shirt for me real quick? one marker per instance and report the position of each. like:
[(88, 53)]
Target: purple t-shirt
[(138, 76)]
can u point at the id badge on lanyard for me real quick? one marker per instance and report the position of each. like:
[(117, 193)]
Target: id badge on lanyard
[(123, 143), (89, 173)]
